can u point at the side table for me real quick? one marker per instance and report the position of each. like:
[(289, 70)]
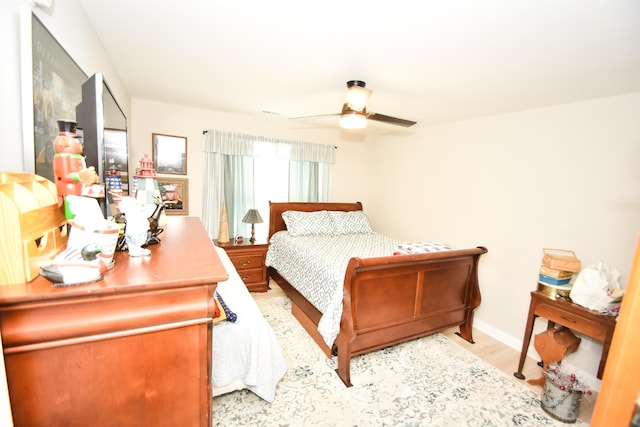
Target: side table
[(249, 260), (573, 316)]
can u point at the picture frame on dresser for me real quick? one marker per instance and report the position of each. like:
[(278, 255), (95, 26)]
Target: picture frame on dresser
[(169, 153), (175, 195)]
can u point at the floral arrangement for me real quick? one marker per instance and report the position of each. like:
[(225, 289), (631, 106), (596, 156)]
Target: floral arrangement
[(566, 381)]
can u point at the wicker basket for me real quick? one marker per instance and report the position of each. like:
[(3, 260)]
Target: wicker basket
[(561, 259)]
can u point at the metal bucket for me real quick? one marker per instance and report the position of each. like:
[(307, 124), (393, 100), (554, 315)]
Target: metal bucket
[(561, 403)]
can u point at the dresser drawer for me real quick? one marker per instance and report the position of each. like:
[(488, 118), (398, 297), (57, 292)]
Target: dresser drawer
[(574, 321), (244, 261)]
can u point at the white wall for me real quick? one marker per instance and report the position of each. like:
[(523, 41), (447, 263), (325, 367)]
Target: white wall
[(68, 24), (561, 177), (350, 182)]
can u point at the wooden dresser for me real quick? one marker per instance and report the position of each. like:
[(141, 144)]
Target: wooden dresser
[(249, 259), (131, 350)]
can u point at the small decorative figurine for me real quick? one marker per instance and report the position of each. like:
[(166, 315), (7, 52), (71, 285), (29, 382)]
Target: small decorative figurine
[(137, 226), (70, 171)]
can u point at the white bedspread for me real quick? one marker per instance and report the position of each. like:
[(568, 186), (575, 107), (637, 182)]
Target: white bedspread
[(247, 351), (316, 265)]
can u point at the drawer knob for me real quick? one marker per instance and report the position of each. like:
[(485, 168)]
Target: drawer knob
[(242, 262)]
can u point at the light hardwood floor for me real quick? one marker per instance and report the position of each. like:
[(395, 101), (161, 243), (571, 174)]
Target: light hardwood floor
[(491, 351)]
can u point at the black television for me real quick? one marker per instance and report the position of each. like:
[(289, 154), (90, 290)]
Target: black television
[(102, 127)]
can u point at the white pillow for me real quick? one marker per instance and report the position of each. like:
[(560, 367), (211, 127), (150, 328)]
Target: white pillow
[(352, 222), (308, 223)]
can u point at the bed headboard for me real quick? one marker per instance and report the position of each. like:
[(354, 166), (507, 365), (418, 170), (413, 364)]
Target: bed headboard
[(276, 223)]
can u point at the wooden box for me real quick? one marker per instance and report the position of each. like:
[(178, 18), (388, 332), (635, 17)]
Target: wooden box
[(32, 225)]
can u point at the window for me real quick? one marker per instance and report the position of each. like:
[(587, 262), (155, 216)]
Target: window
[(249, 171), (271, 183)]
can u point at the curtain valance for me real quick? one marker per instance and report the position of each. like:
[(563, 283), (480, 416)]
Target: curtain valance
[(239, 144)]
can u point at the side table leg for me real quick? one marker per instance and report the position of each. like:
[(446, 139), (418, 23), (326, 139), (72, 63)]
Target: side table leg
[(605, 352), (526, 340)]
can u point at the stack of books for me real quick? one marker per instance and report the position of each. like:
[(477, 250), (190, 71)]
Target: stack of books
[(555, 283)]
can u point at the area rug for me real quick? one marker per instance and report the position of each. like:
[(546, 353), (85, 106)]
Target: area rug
[(426, 382)]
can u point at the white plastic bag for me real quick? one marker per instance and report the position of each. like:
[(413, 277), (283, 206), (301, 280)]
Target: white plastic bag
[(596, 287)]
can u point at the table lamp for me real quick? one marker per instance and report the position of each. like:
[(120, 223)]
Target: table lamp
[(252, 217)]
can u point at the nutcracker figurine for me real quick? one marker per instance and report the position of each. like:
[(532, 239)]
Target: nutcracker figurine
[(69, 168)]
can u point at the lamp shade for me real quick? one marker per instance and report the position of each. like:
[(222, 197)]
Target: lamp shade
[(252, 217), (357, 95)]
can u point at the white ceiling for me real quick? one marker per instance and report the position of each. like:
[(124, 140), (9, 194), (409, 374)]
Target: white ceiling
[(428, 61)]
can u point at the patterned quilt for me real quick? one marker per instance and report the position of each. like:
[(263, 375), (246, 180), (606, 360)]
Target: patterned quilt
[(316, 266)]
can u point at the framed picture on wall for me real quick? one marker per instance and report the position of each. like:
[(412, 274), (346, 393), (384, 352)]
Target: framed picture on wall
[(175, 195), (115, 145), (170, 153), (54, 89)]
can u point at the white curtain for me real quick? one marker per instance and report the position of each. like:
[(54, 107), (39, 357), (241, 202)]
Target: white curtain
[(238, 174), (308, 163), (303, 181)]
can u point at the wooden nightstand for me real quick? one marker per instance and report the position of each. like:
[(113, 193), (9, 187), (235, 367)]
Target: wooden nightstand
[(249, 260)]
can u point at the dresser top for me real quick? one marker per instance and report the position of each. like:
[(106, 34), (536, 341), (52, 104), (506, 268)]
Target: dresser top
[(184, 257)]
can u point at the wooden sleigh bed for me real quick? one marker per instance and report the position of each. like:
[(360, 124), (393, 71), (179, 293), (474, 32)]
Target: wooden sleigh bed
[(391, 299)]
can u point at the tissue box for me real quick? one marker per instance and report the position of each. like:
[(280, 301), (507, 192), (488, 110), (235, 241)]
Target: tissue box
[(32, 225)]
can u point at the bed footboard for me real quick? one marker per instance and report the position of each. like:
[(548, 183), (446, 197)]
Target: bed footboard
[(389, 300)]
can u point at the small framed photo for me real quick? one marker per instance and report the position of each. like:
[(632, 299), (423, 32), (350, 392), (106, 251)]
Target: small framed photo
[(175, 195), (170, 153)]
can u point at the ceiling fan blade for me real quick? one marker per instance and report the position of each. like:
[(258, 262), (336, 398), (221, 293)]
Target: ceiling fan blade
[(391, 120), (316, 115)]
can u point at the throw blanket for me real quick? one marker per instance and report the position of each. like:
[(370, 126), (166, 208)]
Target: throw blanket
[(246, 350), (421, 248)]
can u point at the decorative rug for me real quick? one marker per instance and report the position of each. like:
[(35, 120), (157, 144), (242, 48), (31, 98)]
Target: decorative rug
[(426, 382)]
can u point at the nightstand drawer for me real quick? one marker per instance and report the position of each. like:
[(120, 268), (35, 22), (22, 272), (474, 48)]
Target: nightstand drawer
[(244, 261), (249, 259), (252, 276)]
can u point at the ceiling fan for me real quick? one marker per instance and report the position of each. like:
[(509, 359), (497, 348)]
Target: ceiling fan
[(354, 114)]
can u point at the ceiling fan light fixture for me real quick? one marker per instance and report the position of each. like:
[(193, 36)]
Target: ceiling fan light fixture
[(353, 120), (357, 95)]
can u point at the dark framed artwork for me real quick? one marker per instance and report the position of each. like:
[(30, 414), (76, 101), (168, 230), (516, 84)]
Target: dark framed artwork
[(170, 153), (175, 195), (56, 91), (115, 156), (115, 146)]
